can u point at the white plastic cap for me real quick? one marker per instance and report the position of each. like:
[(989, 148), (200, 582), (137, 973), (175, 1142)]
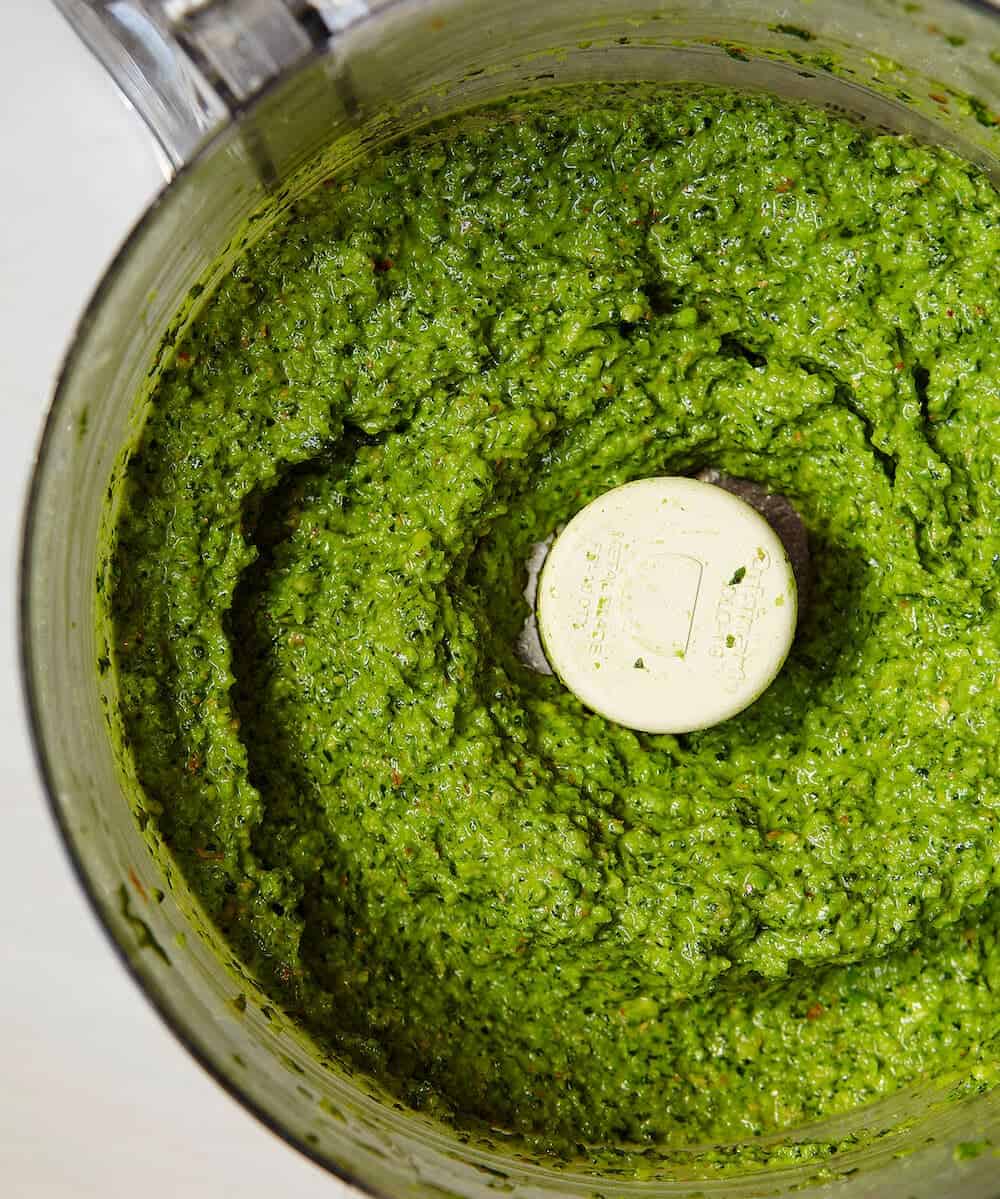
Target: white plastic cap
[(667, 605)]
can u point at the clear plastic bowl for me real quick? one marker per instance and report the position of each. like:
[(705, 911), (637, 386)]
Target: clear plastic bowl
[(930, 69)]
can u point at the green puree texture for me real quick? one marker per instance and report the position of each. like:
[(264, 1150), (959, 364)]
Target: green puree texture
[(439, 861)]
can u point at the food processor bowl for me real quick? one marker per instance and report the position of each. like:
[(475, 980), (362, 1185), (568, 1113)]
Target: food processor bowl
[(252, 102)]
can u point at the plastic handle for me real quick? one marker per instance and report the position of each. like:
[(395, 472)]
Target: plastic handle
[(188, 66)]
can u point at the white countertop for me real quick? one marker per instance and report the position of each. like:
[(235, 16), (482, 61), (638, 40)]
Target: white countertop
[(97, 1098)]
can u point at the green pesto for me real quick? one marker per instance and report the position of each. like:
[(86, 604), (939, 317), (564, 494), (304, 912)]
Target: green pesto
[(436, 859)]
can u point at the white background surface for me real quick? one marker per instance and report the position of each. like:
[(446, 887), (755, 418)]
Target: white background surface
[(96, 1097)]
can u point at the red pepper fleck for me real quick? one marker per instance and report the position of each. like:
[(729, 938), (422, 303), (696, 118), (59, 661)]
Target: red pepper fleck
[(815, 1011), (381, 265), (785, 185), (208, 855), (397, 778), (938, 98), (137, 883), (950, 312)]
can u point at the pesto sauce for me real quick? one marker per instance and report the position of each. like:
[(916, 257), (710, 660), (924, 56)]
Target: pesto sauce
[(438, 860)]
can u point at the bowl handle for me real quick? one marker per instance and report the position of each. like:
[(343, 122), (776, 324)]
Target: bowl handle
[(190, 66)]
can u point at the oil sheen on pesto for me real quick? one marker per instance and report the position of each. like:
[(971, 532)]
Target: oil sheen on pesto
[(438, 860)]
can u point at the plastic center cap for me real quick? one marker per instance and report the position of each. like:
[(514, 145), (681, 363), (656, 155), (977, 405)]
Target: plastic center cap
[(667, 605)]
